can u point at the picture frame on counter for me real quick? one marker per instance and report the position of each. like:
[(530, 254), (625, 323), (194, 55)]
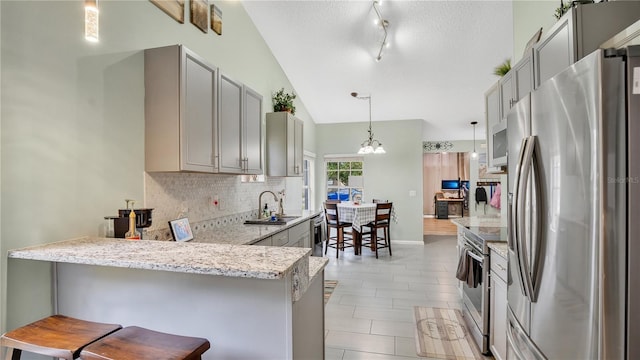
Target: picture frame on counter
[(181, 230)]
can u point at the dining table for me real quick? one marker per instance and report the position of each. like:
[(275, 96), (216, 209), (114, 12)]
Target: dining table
[(358, 215)]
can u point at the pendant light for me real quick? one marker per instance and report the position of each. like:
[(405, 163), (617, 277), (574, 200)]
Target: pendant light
[(91, 18), (474, 154), (370, 145)]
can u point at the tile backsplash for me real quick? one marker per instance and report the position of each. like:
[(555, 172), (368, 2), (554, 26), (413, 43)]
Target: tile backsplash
[(176, 195)]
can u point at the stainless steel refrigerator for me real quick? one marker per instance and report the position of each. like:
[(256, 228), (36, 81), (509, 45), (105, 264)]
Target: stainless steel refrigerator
[(574, 258)]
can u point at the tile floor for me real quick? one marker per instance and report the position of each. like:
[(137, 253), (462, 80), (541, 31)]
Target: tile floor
[(369, 316)]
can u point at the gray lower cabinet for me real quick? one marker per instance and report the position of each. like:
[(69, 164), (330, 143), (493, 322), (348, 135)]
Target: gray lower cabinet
[(240, 128), (299, 235), (284, 147), (498, 306), (295, 236), (180, 111), (578, 33)]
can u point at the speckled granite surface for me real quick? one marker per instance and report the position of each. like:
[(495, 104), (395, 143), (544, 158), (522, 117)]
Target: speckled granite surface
[(262, 262), (488, 228), (316, 264), (499, 247), (221, 251)]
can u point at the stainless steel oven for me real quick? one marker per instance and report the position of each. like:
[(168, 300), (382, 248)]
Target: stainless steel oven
[(475, 300), (318, 234)]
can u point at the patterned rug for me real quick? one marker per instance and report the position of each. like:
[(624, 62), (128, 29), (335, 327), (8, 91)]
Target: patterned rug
[(442, 334), (329, 285)]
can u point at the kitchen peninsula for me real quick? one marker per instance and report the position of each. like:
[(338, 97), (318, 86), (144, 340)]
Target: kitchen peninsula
[(257, 302)]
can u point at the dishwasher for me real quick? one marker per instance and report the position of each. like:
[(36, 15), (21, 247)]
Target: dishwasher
[(318, 234)]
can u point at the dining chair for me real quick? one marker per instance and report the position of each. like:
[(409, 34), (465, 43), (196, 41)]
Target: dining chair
[(382, 221), (376, 201), (343, 238), (338, 201)]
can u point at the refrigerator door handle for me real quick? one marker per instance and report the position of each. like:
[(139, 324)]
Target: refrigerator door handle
[(522, 197), (514, 213), (537, 226)]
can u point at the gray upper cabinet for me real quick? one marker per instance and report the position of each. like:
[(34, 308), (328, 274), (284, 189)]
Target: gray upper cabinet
[(523, 78), (578, 33), (515, 84), (230, 126), (180, 111), (506, 94), (252, 143), (492, 105), (284, 147), (240, 128)]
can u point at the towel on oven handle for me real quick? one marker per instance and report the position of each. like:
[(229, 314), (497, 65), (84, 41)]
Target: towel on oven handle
[(469, 269)]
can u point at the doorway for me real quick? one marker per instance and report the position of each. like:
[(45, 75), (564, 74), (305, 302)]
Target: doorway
[(444, 166)]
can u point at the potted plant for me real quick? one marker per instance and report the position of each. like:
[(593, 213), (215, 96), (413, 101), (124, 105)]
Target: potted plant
[(283, 101), (502, 69)]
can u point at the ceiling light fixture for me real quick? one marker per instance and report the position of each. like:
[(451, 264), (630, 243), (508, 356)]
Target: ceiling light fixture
[(369, 146), (474, 154), (91, 26), (384, 24)]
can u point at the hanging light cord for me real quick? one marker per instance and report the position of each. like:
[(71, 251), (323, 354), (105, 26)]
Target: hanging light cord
[(384, 24)]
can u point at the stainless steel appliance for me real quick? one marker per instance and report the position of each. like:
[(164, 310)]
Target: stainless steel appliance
[(475, 299), (318, 234), (573, 215)]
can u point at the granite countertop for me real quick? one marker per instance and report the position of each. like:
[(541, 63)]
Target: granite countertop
[(488, 228), (241, 234), (500, 247), (262, 262), (223, 252)]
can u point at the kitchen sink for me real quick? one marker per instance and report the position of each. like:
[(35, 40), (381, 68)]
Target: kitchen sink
[(279, 221)]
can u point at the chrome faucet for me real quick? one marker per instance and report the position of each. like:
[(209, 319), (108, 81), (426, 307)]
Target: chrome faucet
[(260, 214)]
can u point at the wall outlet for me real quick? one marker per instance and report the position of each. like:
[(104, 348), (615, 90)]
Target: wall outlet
[(412, 193)]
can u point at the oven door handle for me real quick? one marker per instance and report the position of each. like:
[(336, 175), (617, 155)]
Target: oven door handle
[(474, 256)]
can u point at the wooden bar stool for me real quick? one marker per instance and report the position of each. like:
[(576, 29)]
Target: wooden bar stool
[(58, 336), (138, 343)]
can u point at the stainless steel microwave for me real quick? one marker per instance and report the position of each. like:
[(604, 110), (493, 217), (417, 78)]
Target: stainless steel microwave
[(499, 144)]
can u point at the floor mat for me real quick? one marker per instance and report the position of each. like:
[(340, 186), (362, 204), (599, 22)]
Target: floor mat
[(442, 334), (329, 286)]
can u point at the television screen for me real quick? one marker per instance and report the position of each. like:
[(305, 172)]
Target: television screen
[(450, 185)]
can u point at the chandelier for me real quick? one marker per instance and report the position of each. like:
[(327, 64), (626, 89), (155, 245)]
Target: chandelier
[(384, 24), (370, 145)]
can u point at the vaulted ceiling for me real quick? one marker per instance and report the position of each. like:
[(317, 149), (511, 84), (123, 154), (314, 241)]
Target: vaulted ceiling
[(437, 68)]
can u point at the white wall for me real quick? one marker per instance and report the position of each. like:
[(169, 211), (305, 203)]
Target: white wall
[(390, 176), (73, 120), (528, 17)]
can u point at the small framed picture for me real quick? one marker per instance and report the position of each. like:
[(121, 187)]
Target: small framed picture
[(200, 14), (173, 8), (216, 19), (181, 230)]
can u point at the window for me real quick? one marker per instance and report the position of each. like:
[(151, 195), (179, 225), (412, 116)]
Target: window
[(344, 179)]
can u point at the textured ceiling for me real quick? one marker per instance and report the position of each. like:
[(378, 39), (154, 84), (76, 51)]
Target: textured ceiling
[(437, 68)]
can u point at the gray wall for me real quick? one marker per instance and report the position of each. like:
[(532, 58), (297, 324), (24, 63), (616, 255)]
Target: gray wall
[(390, 176), (72, 145)]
